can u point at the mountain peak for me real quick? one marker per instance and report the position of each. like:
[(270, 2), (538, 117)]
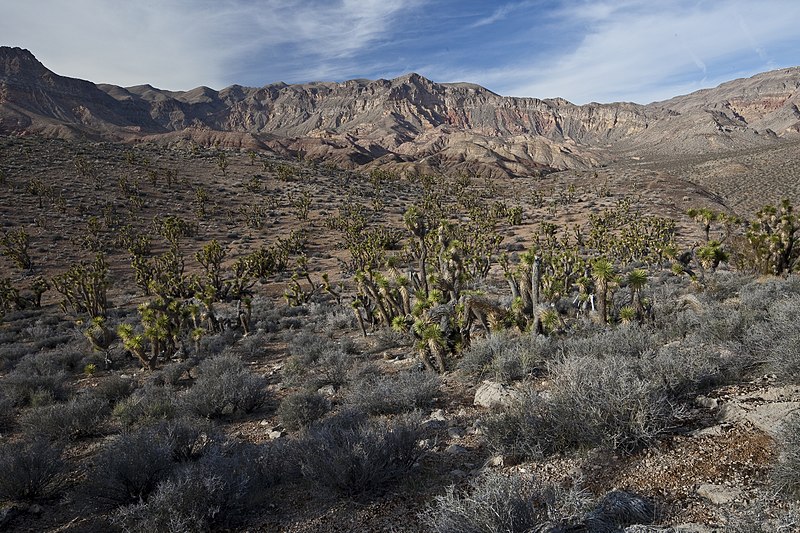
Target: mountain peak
[(16, 61)]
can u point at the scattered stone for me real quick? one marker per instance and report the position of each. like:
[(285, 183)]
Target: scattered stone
[(692, 528), (713, 431), (704, 401), (455, 433), (491, 394), (327, 390), (731, 413), (455, 449), (437, 414), (718, 494), (276, 434), (504, 460)]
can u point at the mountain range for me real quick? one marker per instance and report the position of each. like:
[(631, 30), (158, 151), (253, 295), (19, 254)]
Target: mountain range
[(407, 123)]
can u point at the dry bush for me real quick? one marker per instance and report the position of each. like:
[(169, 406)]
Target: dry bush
[(114, 388), (216, 491), (591, 402), (776, 340), (497, 503), (506, 356), (352, 456), (395, 393), (24, 388), (146, 405), (225, 387), (30, 470), (79, 417), (128, 469), (786, 473), (300, 409)]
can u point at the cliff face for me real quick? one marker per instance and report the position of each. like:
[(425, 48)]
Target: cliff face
[(408, 122)]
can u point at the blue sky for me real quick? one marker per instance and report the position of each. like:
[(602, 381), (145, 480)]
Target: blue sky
[(581, 50)]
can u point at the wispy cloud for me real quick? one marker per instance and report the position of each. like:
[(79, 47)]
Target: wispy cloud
[(182, 44), (500, 13), (642, 51), (582, 50)]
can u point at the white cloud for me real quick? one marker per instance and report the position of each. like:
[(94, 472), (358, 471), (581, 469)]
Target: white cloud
[(182, 44), (643, 51), (648, 51)]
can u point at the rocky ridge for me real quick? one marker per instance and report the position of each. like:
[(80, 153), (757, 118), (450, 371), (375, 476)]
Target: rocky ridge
[(408, 123)]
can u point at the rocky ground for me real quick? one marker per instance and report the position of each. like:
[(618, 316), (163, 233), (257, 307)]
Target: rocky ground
[(710, 468)]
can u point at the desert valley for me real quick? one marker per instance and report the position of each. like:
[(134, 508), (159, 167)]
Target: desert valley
[(397, 305)]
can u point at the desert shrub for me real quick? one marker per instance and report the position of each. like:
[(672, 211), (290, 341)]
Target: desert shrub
[(759, 295), (187, 438), (334, 368), (146, 405), (7, 410), (211, 345), (387, 338), (776, 339), (114, 388), (52, 362), (172, 373), (725, 323), (307, 347), (631, 342), (351, 456), (786, 473), (395, 393), (214, 491), (79, 417), (591, 402), (223, 387), (30, 470), (24, 387), (506, 356), (497, 503), (300, 409), (128, 469), (188, 501), (690, 367)]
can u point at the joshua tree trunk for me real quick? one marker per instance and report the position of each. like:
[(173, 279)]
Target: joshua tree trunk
[(536, 279)]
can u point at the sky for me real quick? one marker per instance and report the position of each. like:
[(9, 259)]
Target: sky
[(581, 50)]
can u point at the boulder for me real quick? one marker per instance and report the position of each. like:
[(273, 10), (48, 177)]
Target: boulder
[(491, 394)]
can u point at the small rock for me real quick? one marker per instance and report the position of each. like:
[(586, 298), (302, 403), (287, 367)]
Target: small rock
[(327, 390), (433, 423), (455, 449), (437, 414), (504, 460), (718, 494), (490, 394), (713, 431), (276, 434), (426, 444), (709, 403), (455, 433)]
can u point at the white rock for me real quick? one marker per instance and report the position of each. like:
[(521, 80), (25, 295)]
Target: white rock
[(718, 494), (491, 394)]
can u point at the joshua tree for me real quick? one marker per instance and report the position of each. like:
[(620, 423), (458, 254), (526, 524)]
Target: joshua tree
[(604, 276), (637, 279), (705, 217)]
